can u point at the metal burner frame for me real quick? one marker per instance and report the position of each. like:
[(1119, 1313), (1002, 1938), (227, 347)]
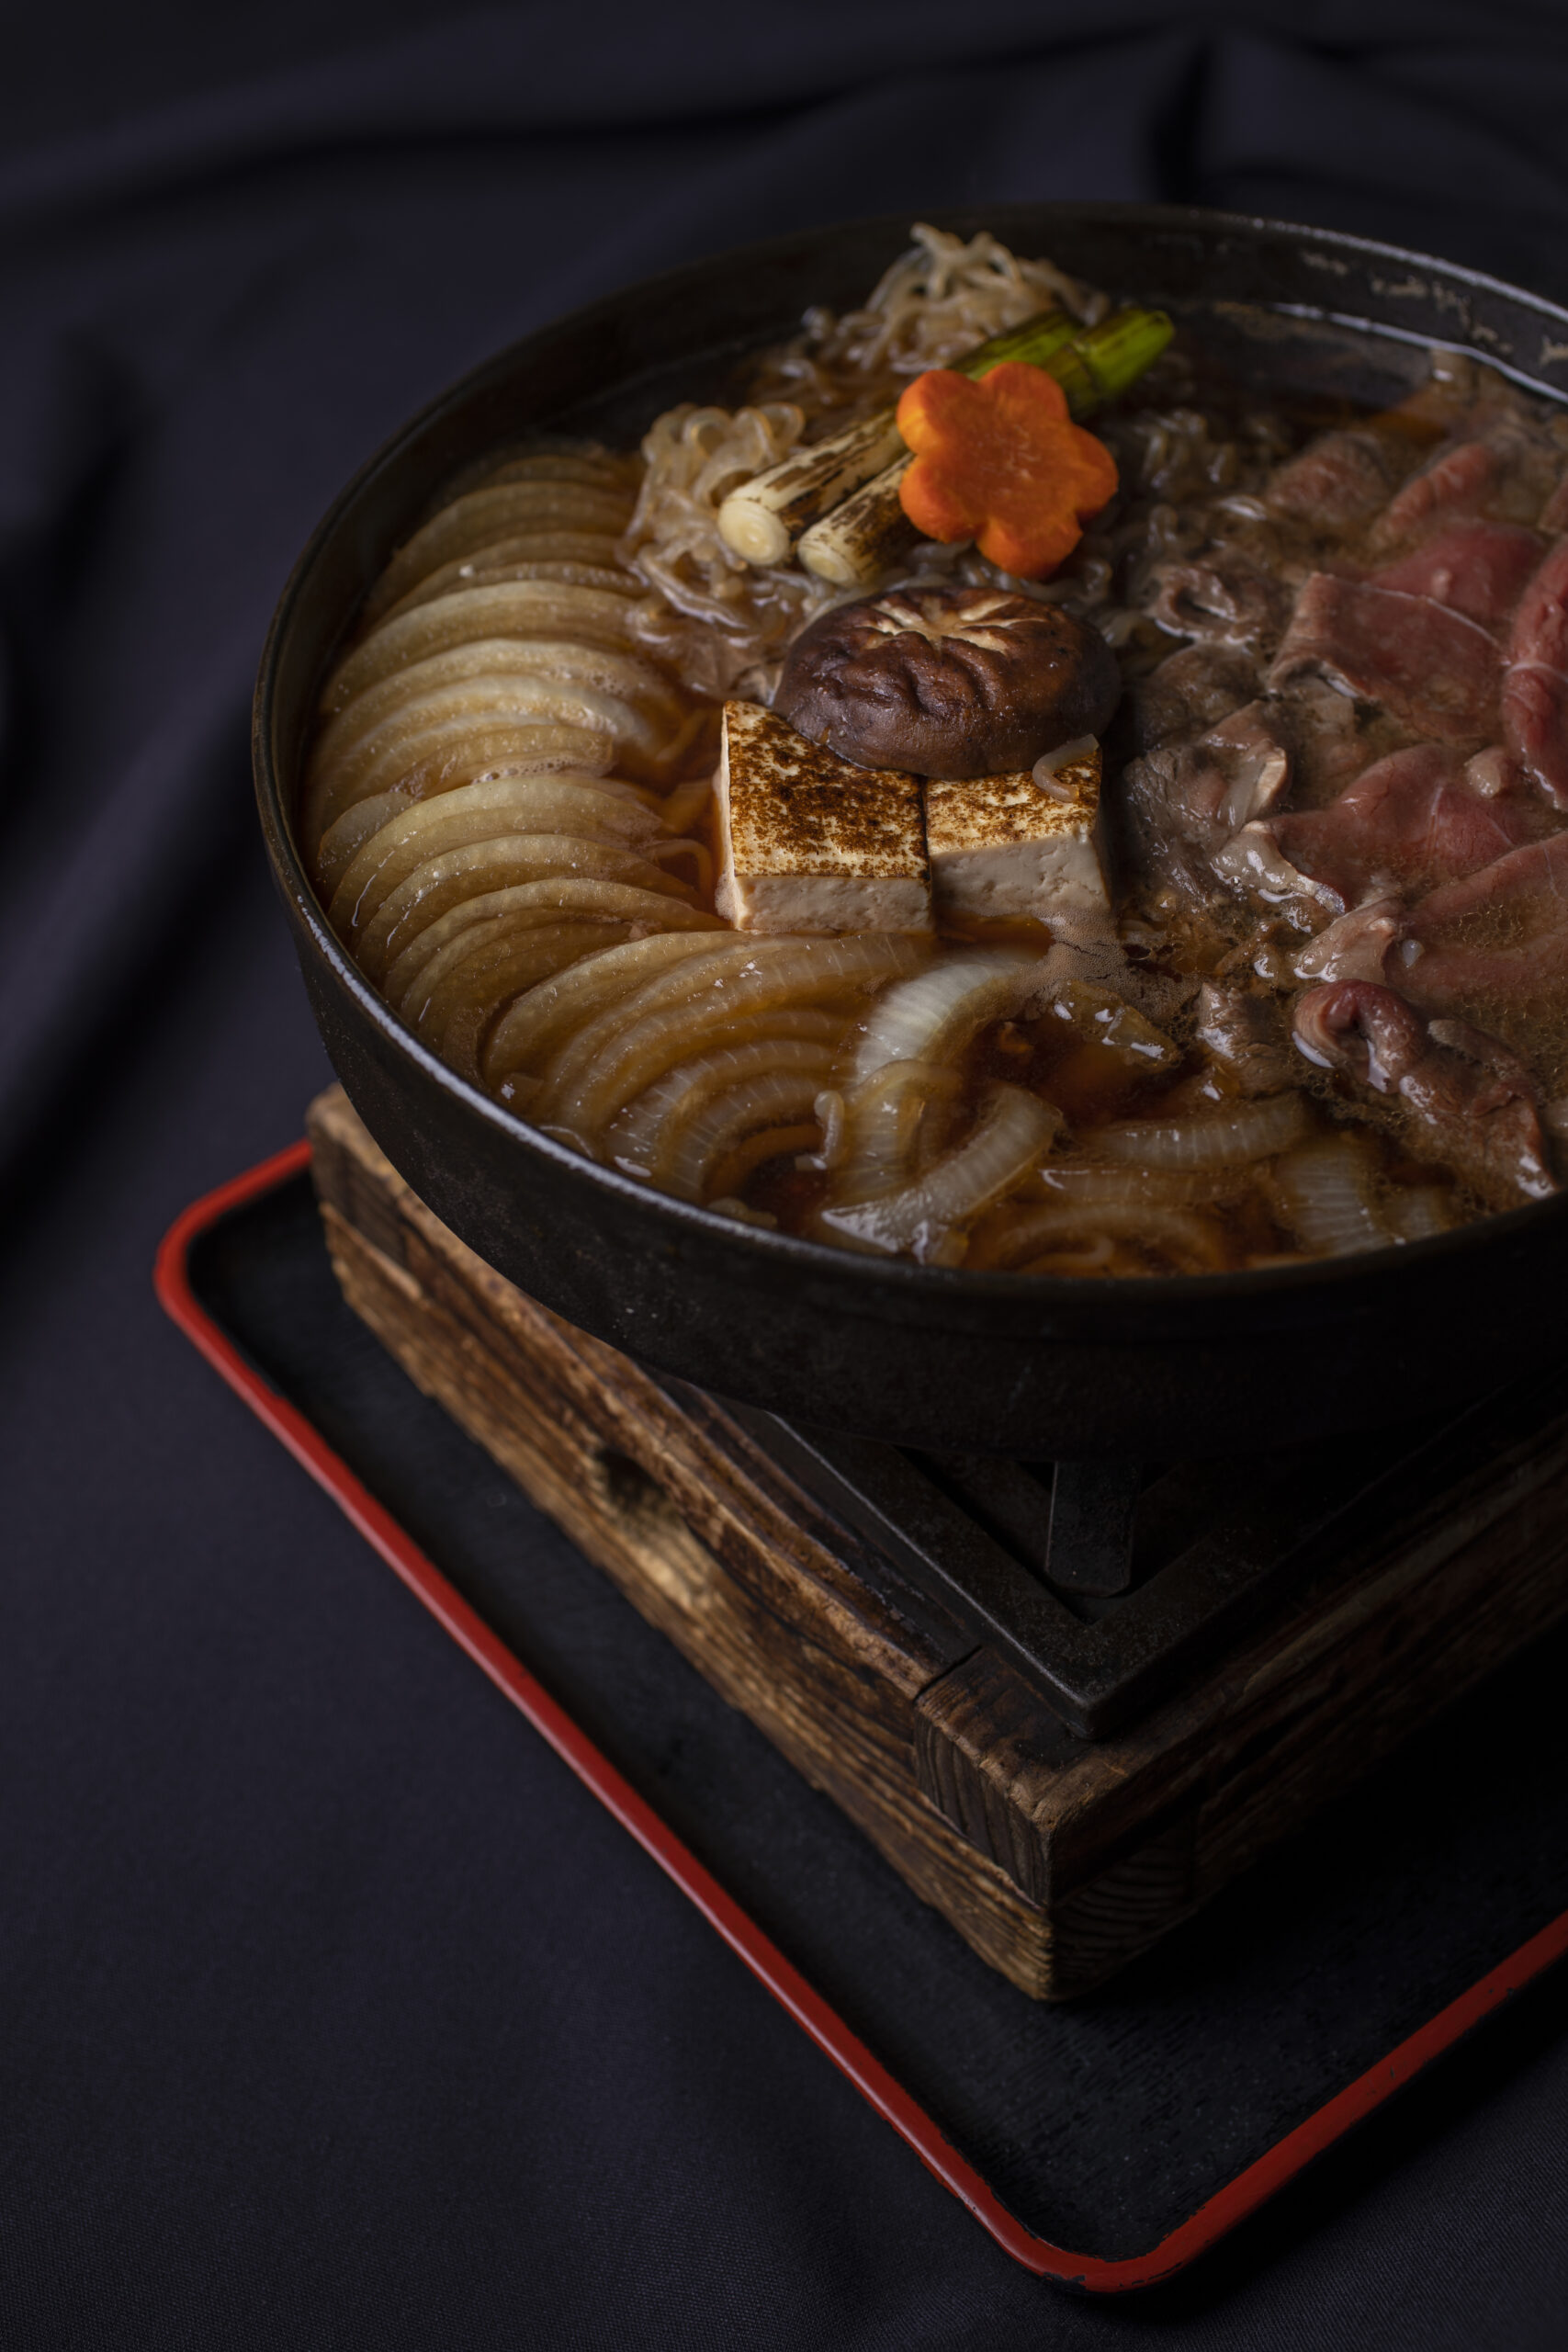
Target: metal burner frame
[(1103, 1583)]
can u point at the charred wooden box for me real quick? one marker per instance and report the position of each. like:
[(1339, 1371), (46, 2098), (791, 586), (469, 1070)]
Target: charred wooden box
[(1067, 1702)]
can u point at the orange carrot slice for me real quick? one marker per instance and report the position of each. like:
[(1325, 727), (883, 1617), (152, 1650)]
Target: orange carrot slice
[(1001, 462)]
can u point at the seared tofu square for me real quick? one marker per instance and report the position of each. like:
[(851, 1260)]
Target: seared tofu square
[(810, 842), (1003, 847)]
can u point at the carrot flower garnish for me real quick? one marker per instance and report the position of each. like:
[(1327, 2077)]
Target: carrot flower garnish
[(1001, 462)]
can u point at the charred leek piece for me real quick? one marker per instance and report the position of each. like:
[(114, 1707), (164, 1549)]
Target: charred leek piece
[(865, 535), (763, 518)]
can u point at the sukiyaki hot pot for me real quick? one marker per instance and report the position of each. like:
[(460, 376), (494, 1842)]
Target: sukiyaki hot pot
[(939, 1110)]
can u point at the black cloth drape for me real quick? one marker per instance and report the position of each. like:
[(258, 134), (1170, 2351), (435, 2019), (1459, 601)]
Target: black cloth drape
[(333, 2013)]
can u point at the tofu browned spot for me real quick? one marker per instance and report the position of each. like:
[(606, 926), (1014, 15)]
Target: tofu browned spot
[(1009, 845), (810, 842)]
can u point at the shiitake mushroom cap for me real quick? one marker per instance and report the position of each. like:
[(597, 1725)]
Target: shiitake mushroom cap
[(948, 682)]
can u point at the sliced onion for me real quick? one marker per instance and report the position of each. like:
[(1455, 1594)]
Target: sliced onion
[(585, 808), (1415, 1212), (600, 468), (373, 845), (743, 1160), (440, 759), (532, 1030), (684, 804), (776, 1098), (476, 990), (616, 1057), (487, 754), (421, 969), (933, 1017), (651, 1128), (1093, 1255), (438, 722), (744, 1214), (1251, 1131), (1048, 768), (483, 868), (348, 835), (513, 955), (471, 614), (460, 748), (1081, 1184), (482, 663), (426, 956), (829, 1111), (882, 1119), (486, 515), (744, 978), (1194, 1242), (1014, 1128), (1326, 1190), (525, 607), (587, 559), (665, 852)]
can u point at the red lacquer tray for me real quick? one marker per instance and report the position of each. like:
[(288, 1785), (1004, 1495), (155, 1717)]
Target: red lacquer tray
[(281, 1344)]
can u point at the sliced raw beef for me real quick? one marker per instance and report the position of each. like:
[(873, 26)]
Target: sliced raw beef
[(1341, 480), (1477, 569), (1456, 482), (1529, 460), (1534, 686), (1554, 513), (1410, 823), (1430, 667), (1467, 1099), (1535, 723), (1541, 625), (1495, 942)]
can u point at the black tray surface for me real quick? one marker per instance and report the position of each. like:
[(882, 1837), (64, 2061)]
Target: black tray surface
[(1103, 2125)]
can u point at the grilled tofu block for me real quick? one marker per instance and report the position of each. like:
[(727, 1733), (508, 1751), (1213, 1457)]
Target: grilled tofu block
[(1012, 845), (810, 842)]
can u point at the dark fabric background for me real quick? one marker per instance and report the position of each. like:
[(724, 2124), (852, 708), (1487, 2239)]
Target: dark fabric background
[(333, 2013)]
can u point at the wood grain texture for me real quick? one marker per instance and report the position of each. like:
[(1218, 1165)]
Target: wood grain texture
[(710, 1542), (1057, 1859)]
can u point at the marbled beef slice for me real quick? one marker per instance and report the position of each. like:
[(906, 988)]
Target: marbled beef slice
[(1477, 569), (1431, 668), (1535, 683), (1411, 821)]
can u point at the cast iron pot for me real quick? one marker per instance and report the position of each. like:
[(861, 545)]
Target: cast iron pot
[(922, 1355)]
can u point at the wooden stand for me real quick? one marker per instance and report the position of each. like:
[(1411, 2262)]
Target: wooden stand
[(1056, 1857)]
